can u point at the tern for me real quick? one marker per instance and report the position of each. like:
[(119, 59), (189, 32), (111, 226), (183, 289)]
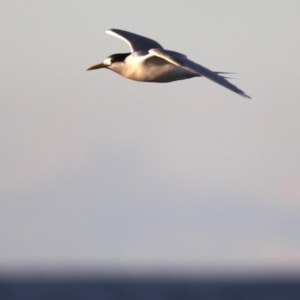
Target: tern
[(148, 61)]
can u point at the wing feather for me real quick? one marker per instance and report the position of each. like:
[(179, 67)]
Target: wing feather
[(182, 61), (135, 41)]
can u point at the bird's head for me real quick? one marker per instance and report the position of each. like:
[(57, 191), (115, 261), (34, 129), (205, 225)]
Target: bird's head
[(114, 62)]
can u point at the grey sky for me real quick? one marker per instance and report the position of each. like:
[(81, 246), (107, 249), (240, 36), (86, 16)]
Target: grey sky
[(98, 172)]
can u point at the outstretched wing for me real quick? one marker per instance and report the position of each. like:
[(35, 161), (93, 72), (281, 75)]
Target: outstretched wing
[(183, 62), (135, 41)]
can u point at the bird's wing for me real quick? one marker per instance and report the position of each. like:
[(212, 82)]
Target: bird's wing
[(183, 62), (135, 41)]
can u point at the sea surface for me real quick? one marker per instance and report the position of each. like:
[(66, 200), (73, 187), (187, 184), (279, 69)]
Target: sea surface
[(148, 289)]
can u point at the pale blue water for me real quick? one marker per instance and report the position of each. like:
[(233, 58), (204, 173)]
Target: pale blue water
[(117, 289)]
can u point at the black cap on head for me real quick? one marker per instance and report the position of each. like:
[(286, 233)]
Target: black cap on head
[(119, 57)]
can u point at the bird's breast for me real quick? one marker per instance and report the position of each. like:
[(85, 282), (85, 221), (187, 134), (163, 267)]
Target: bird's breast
[(154, 69)]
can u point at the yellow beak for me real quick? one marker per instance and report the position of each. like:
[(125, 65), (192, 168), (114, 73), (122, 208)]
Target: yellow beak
[(98, 66)]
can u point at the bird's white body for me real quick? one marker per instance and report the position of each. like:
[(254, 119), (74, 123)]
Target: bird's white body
[(149, 61), (153, 69)]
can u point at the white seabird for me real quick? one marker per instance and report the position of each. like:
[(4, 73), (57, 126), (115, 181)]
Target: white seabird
[(149, 61)]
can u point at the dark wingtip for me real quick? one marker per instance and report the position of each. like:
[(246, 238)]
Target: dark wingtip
[(245, 96)]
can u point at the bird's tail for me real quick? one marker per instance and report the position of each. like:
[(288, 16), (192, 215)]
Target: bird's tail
[(221, 74)]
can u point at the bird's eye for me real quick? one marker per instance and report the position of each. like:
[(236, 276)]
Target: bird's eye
[(112, 60)]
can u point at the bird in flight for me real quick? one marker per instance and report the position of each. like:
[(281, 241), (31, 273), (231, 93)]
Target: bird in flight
[(149, 61)]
